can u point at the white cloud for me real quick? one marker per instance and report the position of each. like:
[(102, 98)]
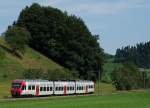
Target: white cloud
[(107, 7), (51, 2), (95, 7)]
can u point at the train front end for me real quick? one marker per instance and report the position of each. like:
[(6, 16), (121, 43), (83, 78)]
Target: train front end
[(16, 88)]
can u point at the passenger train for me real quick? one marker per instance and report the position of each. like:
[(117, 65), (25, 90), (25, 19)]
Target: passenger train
[(46, 88)]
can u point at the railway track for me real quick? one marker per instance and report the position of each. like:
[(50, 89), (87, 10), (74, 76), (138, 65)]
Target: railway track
[(68, 96), (43, 98)]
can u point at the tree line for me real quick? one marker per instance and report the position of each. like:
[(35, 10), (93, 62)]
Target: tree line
[(139, 55)]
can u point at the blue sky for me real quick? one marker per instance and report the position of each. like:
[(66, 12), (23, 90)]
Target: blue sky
[(118, 22)]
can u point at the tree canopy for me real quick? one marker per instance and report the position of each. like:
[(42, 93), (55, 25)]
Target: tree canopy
[(139, 55), (17, 38), (63, 38)]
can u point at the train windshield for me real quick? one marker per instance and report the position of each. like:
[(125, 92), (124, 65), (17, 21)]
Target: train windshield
[(16, 85)]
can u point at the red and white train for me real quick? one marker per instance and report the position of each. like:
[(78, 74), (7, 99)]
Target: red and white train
[(45, 88)]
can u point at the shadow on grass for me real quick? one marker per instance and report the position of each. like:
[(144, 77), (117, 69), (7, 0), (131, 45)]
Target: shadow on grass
[(11, 52)]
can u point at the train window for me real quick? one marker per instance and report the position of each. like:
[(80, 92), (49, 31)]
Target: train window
[(16, 85), (48, 88), (51, 88), (72, 88), (33, 87), (41, 88), (56, 88), (62, 88), (44, 88), (29, 88), (24, 87), (68, 88), (79, 88)]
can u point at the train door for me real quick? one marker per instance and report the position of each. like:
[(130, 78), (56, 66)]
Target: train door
[(86, 89), (65, 90), (37, 90)]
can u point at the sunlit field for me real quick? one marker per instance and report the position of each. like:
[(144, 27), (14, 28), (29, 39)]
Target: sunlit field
[(125, 100)]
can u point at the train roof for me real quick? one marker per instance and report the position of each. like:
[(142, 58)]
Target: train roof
[(40, 80), (28, 80)]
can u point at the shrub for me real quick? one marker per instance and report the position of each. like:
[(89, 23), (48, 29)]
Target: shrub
[(127, 77), (17, 38), (4, 76)]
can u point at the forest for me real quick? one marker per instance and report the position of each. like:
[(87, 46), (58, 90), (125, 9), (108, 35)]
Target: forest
[(138, 54)]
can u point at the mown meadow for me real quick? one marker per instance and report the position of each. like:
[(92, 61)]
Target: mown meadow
[(123, 100)]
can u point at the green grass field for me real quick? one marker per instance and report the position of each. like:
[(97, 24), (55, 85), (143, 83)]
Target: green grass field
[(125, 100)]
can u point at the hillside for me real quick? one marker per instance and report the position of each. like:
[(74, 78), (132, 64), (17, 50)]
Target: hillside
[(108, 68), (12, 67)]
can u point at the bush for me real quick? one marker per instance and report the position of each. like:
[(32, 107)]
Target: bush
[(146, 79), (17, 38), (127, 77), (5, 76)]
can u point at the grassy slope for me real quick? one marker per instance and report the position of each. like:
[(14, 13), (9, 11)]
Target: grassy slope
[(127, 100), (12, 67), (108, 67)]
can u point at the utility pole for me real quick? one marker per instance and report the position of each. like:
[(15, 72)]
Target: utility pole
[(99, 81), (144, 79)]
